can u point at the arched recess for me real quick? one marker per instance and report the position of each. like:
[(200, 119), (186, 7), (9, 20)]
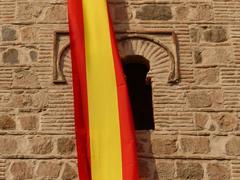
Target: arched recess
[(163, 63), (144, 61), (136, 69), (63, 66)]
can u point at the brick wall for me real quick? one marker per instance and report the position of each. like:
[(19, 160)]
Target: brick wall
[(193, 50)]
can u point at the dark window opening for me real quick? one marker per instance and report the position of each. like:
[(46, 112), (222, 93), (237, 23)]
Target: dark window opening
[(140, 91)]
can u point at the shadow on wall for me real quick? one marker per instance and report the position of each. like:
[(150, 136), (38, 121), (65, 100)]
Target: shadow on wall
[(121, 16)]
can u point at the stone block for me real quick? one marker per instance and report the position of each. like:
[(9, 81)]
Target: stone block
[(41, 145), (197, 55), (145, 169), (22, 170), (206, 76), (190, 12), (40, 100), (9, 33), (233, 146), (226, 121), (154, 12), (49, 170), (8, 145), (217, 98), (201, 120), (182, 12), (199, 99), (65, 145), (121, 13), (190, 170), (218, 171), (24, 78), (52, 13), (7, 123), (29, 11), (20, 101), (29, 34), (33, 55), (202, 12), (69, 173), (195, 145), (215, 34), (213, 55), (165, 169), (144, 142), (195, 34), (29, 122), (10, 56), (164, 145)]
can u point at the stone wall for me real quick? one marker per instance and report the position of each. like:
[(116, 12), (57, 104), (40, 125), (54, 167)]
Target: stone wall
[(193, 50)]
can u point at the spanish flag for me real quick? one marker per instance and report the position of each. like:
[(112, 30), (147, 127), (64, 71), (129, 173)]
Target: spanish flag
[(104, 127)]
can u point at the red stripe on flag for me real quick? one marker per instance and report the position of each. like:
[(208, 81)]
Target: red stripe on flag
[(76, 27), (128, 137)]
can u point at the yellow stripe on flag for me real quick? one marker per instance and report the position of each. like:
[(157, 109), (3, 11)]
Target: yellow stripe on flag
[(104, 127)]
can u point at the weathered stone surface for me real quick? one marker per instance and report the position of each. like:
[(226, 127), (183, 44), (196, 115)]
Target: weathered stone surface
[(164, 145), (195, 145), (201, 120), (53, 14), (8, 33), (182, 12), (217, 98), (7, 123), (143, 142), (20, 101), (42, 145), (199, 99), (29, 34), (212, 34), (213, 56), (145, 170), (215, 34), (233, 146), (121, 13), (48, 169), (165, 169), (154, 12), (197, 56), (189, 170), (65, 145), (218, 171), (29, 11), (201, 12), (8, 145), (226, 121), (195, 34), (206, 76), (69, 173), (25, 79), (29, 122), (11, 56), (40, 100), (22, 170), (33, 55)]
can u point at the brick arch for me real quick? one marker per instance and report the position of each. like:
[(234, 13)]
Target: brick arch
[(163, 64)]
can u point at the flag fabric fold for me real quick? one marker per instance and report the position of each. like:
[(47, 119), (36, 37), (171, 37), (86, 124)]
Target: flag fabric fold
[(106, 146)]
